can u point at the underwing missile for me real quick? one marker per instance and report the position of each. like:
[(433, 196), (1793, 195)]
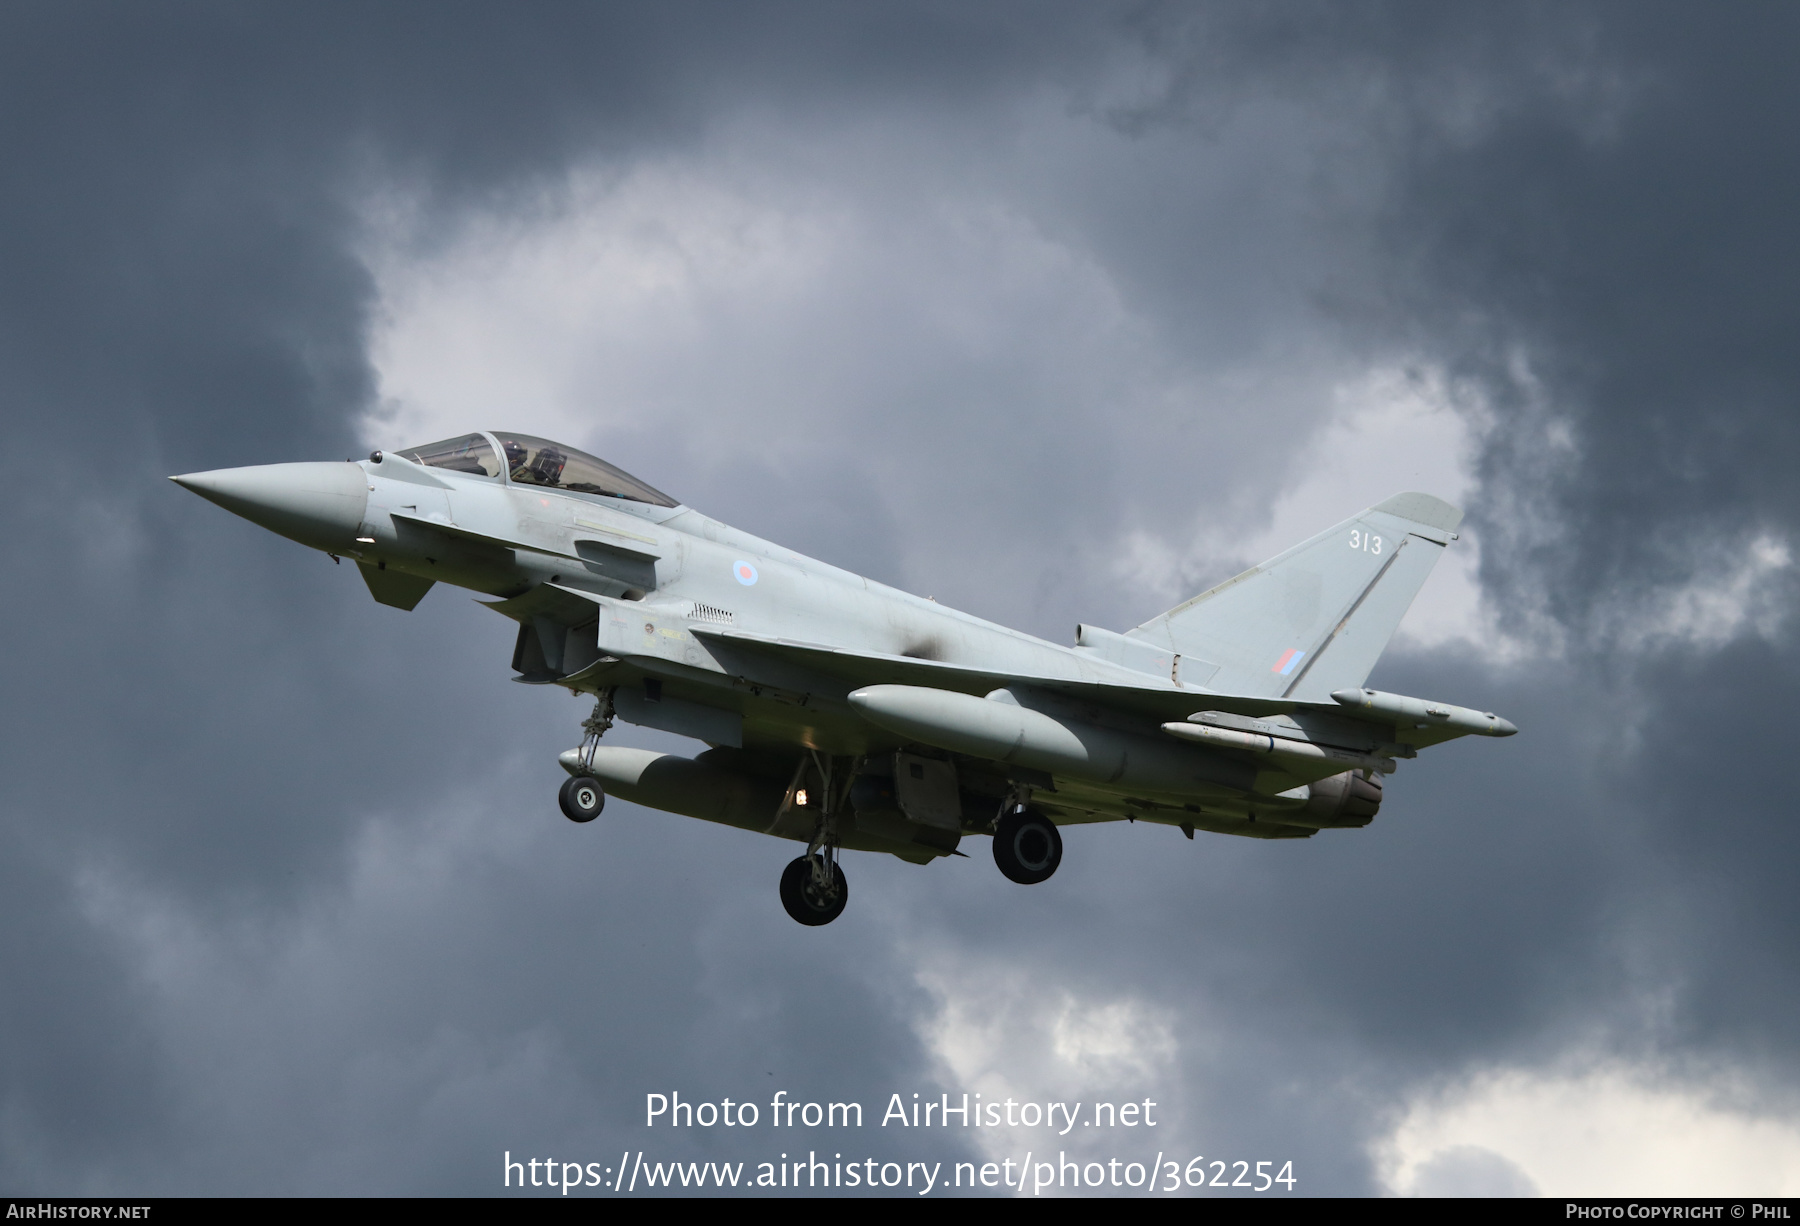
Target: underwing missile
[(1278, 748)]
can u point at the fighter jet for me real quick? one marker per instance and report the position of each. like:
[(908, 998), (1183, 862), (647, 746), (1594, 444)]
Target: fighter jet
[(846, 715)]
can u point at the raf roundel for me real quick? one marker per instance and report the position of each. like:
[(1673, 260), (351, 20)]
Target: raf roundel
[(746, 573)]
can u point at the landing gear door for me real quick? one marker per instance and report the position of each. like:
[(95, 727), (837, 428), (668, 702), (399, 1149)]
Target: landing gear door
[(926, 790)]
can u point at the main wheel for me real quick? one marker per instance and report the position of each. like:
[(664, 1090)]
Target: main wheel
[(581, 799), (1027, 847), (803, 898)]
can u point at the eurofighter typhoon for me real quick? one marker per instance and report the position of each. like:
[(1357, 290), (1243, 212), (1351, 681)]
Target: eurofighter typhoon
[(843, 714)]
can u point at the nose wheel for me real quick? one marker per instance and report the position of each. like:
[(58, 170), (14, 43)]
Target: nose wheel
[(1027, 846), (581, 799), (813, 890)]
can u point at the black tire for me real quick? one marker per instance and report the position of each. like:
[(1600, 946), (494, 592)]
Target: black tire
[(581, 798), (802, 898), (1027, 847)]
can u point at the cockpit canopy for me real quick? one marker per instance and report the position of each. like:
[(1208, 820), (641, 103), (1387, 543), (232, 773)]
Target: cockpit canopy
[(536, 461)]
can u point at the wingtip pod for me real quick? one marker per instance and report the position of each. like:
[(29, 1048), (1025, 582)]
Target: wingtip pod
[(1419, 711)]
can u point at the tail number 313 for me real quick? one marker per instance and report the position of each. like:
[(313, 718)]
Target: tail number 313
[(1364, 541)]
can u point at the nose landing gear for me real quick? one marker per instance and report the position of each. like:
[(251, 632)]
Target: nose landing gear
[(582, 798)]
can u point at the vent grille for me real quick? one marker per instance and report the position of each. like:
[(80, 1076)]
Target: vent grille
[(711, 613)]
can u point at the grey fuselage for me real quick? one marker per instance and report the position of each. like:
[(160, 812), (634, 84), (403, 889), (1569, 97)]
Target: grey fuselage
[(695, 627)]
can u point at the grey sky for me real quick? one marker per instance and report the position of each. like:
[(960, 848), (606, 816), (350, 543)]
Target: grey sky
[(1036, 310)]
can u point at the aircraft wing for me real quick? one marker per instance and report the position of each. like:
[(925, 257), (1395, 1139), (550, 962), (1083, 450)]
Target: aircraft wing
[(1411, 721), (860, 668)]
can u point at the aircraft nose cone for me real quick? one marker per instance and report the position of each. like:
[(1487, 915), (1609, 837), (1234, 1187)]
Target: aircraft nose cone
[(321, 505)]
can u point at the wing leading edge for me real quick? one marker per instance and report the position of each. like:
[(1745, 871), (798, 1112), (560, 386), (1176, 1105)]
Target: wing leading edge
[(1412, 722)]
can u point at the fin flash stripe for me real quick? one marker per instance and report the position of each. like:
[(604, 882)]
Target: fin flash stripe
[(1289, 658)]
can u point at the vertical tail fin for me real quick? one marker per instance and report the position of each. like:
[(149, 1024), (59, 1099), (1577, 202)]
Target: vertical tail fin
[(1315, 618)]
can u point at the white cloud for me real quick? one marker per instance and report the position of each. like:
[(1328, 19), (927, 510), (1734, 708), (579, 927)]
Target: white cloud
[(1005, 1035), (928, 379), (1733, 591), (1611, 1130), (769, 314), (1390, 429), (1394, 429)]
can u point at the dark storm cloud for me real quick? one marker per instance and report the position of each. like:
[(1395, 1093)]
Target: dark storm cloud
[(1586, 215), (281, 889), (1644, 266), (1642, 263), (198, 727)]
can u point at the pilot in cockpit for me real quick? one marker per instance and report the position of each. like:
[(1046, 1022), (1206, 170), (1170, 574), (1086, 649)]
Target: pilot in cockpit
[(537, 461), (547, 466)]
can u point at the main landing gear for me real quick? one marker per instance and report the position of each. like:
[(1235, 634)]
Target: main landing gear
[(581, 797), (1027, 845), (813, 890)]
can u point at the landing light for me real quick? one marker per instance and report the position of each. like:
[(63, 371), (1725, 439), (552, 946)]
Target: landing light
[(800, 798)]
